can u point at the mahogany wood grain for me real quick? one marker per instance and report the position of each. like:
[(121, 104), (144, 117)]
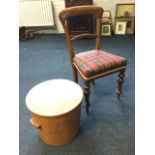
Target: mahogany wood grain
[(81, 36)]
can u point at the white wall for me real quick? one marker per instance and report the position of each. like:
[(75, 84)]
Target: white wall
[(58, 5), (111, 5)]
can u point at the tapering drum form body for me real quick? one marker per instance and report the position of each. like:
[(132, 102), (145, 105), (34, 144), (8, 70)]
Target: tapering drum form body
[(55, 106)]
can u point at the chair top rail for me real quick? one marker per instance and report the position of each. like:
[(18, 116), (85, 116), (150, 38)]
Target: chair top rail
[(80, 10)]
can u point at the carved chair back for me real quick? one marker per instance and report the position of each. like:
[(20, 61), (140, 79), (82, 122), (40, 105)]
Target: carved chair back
[(64, 16)]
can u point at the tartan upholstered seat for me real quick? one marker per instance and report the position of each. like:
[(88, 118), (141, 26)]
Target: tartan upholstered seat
[(97, 61)]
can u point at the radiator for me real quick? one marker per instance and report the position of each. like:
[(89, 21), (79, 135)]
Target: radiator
[(35, 13)]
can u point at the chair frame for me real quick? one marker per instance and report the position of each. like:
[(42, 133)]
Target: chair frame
[(96, 12)]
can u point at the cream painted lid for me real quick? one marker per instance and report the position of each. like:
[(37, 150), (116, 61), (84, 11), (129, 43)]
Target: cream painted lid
[(54, 97)]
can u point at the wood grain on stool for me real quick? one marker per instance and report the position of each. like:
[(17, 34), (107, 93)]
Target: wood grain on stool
[(56, 112), (59, 130)]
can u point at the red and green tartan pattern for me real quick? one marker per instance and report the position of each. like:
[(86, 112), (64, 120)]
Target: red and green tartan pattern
[(97, 61)]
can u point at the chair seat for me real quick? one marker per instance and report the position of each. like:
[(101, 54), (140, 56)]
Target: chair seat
[(94, 62)]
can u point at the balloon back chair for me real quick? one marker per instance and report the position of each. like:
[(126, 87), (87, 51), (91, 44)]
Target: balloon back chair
[(95, 63)]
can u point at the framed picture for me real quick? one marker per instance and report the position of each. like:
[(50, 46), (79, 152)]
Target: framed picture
[(125, 10), (107, 14), (105, 20), (120, 27), (106, 30), (130, 24), (106, 17)]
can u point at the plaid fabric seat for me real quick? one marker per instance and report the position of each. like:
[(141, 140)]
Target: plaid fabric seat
[(97, 61)]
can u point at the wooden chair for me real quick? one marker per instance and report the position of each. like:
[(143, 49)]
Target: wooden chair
[(95, 63)]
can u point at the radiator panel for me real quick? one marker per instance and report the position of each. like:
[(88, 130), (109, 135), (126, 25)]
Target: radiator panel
[(36, 13)]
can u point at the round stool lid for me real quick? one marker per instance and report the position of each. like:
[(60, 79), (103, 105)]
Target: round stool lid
[(54, 97)]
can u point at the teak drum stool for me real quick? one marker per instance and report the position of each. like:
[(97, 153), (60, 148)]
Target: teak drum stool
[(56, 107)]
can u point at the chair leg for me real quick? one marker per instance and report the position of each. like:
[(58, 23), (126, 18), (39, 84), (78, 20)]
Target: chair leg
[(86, 90), (75, 74), (120, 81)]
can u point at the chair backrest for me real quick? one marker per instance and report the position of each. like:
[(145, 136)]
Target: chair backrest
[(65, 14)]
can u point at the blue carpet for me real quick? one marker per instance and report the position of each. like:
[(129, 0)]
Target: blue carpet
[(110, 127)]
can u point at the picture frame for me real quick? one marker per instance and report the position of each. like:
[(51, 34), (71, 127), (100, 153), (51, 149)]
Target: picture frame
[(107, 14), (125, 10), (105, 20), (106, 17), (106, 30), (120, 27), (130, 24)]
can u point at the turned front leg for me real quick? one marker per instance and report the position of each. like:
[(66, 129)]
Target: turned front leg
[(86, 90), (75, 74), (120, 81)]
